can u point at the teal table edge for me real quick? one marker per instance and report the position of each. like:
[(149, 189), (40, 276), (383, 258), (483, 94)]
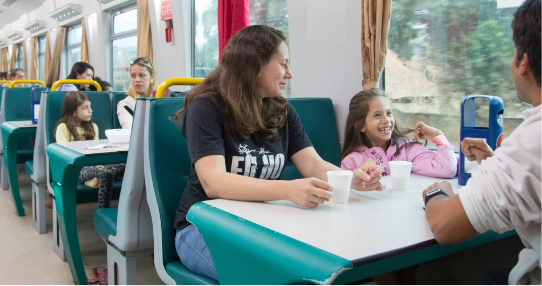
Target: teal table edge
[(247, 253), (423, 252), (10, 136), (65, 165)]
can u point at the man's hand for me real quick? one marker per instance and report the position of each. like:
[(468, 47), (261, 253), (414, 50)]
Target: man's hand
[(476, 149), (445, 186)]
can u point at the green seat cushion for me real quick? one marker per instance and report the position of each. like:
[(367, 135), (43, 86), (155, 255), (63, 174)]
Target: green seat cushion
[(105, 222), (183, 276)]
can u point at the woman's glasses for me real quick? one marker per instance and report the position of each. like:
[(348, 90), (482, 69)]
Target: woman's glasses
[(144, 60)]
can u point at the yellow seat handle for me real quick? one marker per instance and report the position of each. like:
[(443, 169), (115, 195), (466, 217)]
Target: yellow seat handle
[(76, 81), (176, 81), (13, 83)]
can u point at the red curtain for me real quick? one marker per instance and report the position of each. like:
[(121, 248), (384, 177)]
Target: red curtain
[(233, 15)]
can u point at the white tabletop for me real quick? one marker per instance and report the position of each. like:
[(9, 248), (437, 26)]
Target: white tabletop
[(370, 224), (23, 123), (83, 147)]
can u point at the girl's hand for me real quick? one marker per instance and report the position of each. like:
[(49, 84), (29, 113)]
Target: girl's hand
[(424, 131), (309, 192), (367, 177)]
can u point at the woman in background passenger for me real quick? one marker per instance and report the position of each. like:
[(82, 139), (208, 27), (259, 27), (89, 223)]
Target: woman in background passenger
[(106, 86), (238, 112), (142, 84), (80, 70)]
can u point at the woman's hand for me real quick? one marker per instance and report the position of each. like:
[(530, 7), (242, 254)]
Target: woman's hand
[(476, 149), (424, 131), (309, 192), (367, 177)]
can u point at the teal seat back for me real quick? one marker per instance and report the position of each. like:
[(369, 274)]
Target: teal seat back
[(101, 112), (116, 97), (169, 164), (318, 117), (18, 106)]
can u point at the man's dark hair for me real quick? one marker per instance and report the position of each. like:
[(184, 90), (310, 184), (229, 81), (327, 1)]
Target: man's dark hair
[(14, 71), (526, 35)]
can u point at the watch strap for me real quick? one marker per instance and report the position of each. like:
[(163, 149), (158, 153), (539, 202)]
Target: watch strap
[(433, 193)]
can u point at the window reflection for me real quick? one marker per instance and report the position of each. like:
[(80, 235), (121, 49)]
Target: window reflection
[(439, 52)]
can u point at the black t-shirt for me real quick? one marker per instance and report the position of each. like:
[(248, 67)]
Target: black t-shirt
[(205, 129)]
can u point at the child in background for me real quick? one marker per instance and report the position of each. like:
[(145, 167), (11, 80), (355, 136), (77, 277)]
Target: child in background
[(76, 124), (372, 133)]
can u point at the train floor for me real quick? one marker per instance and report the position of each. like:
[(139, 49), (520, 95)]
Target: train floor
[(28, 257)]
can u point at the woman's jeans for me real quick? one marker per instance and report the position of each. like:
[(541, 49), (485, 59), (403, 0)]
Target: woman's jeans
[(193, 252)]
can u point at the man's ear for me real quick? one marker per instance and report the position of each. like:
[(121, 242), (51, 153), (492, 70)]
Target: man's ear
[(524, 65)]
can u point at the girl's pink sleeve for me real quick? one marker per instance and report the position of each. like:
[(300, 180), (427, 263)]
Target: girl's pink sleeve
[(441, 164), (353, 160)]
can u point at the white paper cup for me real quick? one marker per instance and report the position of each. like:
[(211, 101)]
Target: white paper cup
[(400, 174), (340, 181)]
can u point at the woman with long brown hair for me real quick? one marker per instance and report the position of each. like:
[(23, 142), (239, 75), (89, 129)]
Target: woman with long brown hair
[(240, 131)]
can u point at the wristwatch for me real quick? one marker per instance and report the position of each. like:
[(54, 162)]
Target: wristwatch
[(436, 192)]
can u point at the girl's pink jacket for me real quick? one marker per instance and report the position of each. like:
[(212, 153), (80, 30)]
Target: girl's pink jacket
[(441, 164)]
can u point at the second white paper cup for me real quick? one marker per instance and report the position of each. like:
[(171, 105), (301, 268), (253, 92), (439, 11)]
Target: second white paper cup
[(400, 174), (340, 181)]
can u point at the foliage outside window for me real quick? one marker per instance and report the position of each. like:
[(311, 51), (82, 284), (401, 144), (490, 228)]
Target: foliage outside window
[(441, 51), (124, 46), (273, 13)]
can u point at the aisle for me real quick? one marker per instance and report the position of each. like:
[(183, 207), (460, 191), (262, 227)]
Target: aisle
[(28, 257)]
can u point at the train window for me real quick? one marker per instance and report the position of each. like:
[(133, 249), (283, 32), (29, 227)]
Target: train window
[(20, 63), (206, 39), (439, 52), (262, 12), (41, 57), (124, 46), (73, 46)]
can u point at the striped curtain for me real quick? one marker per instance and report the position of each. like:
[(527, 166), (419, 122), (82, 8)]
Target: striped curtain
[(375, 22), (54, 68), (144, 36), (84, 45), (3, 62), (14, 52), (34, 59)]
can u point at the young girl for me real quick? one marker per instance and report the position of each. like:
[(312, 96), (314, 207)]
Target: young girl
[(76, 124), (372, 133)]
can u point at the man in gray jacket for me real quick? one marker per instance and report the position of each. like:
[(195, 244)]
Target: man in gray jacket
[(504, 193)]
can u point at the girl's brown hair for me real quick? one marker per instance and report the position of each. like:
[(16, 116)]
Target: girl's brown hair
[(72, 100), (357, 114), (235, 82)]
